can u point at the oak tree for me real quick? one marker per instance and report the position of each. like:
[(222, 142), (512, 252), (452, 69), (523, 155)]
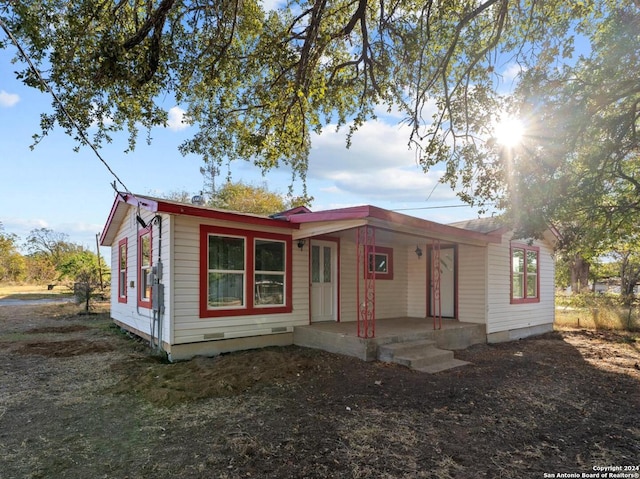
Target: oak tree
[(256, 83)]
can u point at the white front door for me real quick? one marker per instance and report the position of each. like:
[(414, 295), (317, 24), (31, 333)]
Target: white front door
[(447, 283), (323, 281)]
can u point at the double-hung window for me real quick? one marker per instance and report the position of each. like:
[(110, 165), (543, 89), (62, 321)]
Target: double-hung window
[(525, 274), (244, 272), (269, 274), (144, 267), (122, 270), (226, 272)]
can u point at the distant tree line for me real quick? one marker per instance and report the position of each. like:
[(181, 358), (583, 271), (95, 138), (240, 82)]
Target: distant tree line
[(47, 257)]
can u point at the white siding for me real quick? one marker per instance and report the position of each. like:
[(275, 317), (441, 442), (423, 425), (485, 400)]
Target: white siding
[(472, 290), (129, 313), (391, 295), (348, 301), (189, 327), (416, 283), (501, 314)]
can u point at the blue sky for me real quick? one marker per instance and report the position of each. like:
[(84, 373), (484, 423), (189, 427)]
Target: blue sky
[(54, 187)]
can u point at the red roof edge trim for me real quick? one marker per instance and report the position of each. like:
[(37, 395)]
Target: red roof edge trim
[(355, 212), (374, 212), (118, 199), (290, 212), (188, 210)]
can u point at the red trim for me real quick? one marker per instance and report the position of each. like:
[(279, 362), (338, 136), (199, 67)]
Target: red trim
[(156, 205), (245, 219), (338, 297), (455, 278), (249, 307), (525, 248), (309, 278), (380, 250), (293, 211), (112, 213), (360, 212), (122, 298), (143, 303)]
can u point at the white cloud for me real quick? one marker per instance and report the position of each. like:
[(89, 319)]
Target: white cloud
[(511, 73), (378, 167), (16, 225), (375, 145), (400, 185), (7, 100), (177, 120), (77, 232), (269, 5)]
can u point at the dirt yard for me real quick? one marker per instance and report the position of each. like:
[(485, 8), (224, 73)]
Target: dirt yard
[(80, 399)]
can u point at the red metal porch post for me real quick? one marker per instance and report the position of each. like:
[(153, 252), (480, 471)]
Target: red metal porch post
[(435, 278), (366, 246)]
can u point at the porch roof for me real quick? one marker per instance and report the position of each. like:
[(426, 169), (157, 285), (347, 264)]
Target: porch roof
[(337, 220)]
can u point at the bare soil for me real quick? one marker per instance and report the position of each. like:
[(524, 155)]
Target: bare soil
[(81, 399)]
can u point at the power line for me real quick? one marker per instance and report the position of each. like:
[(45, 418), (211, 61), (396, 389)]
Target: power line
[(430, 208), (81, 133)]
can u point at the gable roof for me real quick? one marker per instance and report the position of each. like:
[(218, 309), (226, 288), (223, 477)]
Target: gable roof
[(305, 223), (124, 201)]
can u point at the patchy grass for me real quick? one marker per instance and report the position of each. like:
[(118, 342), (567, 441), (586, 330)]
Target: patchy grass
[(32, 291), (80, 399), (616, 318), (596, 311)]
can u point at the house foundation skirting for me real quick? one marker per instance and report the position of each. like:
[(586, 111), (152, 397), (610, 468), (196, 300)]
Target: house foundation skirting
[(181, 352), (519, 333), (137, 332)]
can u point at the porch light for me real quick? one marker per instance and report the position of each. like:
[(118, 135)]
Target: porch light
[(301, 243), (418, 252)]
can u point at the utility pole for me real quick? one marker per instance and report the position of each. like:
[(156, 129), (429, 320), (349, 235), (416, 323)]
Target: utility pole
[(99, 261)]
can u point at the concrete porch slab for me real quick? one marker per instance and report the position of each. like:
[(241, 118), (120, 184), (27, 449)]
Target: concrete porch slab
[(342, 337)]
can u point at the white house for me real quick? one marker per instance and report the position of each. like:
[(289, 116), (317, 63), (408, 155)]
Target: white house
[(201, 281)]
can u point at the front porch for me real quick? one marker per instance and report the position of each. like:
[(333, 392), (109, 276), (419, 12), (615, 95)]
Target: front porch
[(342, 338)]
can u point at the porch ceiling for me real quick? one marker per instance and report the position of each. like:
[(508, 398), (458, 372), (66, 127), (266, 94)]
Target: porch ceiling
[(308, 230)]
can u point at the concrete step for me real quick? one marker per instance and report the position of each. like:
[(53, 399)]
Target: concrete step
[(424, 358), (442, 366), (421, 355), (388, 352)]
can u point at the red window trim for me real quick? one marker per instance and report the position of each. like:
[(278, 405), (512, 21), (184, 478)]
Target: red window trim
[(122, 298), (380, 250), (249, 308), (526, 248), (143, 303)]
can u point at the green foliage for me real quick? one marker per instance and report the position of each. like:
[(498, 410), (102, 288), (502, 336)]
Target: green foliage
[(40, 268), (248, 198), (255, 85), (82, 263), (44, 242), (579, 167), (12, 264), (84, 268)]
